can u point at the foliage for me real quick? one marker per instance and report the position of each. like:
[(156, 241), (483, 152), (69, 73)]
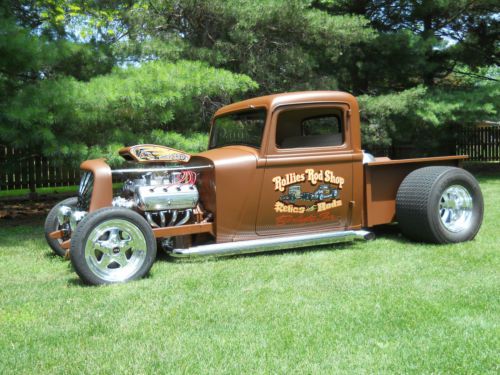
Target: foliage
[(283, 45), (123, 107), (426, 68), (79, 78), (30, 54), (419, 115), (446, 32)]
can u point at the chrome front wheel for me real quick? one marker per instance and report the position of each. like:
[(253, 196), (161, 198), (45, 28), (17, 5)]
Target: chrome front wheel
[(115, 250), (112, 245)]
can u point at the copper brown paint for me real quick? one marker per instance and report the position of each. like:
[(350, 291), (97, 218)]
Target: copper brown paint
[(238, 190), (251, 215), (382, 180), (102, 193)]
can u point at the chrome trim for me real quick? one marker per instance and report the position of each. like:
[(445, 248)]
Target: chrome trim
[(367, 157), (75, 218), (161, 169), (85, 191), (173, 219), (163, 220), (455, 208), (166, 197), (273, 243), (185, 219), (63, 214), (150, 220)]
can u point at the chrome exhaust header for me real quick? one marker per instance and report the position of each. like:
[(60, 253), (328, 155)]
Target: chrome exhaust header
[(273, 243)]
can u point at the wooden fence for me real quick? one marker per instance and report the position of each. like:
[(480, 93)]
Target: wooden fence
[(481, 143), (22, 169)]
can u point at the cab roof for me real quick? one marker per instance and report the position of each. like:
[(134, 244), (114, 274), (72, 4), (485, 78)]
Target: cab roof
[(270, 102)]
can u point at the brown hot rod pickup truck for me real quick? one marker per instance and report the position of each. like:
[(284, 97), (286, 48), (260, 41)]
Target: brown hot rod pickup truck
[(281, 171)]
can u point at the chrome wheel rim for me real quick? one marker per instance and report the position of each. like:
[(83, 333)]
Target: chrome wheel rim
[(115, 250), (455, 208)]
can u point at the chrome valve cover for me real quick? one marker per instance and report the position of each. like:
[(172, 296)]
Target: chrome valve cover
[(166, 197)]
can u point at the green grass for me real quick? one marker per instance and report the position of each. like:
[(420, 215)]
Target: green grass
[(45, 190), (387, 306)]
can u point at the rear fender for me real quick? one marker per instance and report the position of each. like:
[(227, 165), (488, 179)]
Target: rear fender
[(382, 179)]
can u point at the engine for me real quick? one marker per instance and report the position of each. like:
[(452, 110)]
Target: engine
[(165, 198)]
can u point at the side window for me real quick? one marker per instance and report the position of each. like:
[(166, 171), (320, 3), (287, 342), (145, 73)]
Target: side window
[(322, 125), (310, 127)]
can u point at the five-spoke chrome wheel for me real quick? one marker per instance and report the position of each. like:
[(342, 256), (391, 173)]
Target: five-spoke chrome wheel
[(455, 208), (112, 245), (115, 249)]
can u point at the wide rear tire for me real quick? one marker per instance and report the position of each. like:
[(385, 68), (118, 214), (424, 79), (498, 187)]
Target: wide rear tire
[(112, 245), (439, 205)]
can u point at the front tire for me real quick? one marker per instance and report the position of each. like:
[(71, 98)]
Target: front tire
[(112, 245), (52, 224), (440, 205)]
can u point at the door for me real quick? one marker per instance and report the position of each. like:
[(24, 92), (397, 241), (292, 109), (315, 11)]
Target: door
[(308, 176)]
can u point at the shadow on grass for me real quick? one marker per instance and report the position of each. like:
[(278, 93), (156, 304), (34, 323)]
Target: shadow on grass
[(163, 257), (389, 232), (76, 281), (49, 254), (393, 233)]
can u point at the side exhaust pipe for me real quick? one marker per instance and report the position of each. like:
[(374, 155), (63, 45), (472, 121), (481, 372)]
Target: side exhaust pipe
[(273, 243)]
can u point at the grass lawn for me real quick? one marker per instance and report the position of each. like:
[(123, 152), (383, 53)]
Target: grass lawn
[(387, 306), (46, 190), (20, 193)]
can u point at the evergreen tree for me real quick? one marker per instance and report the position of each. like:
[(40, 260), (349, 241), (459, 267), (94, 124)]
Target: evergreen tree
[(82, 77)]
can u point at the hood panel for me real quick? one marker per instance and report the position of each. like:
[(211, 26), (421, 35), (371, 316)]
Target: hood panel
[(230, 154), (237, 190)]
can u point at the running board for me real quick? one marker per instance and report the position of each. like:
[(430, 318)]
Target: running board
[(273, 243)]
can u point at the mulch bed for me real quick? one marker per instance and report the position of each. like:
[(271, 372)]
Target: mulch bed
[(22, 211)]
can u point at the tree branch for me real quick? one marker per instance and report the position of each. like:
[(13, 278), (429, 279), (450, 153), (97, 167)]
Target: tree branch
[(476, 75)]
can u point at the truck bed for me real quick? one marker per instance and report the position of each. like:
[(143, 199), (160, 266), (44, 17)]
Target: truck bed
[(382, 179)]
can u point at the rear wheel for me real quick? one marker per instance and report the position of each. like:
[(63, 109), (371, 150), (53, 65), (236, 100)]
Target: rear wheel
[(112, 245), (52, 224), (440, 205)]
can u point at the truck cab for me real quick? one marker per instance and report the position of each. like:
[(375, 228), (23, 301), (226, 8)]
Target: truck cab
[(298, 141)]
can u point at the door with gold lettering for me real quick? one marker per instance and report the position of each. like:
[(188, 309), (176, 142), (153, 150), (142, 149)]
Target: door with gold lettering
[(308, 174)]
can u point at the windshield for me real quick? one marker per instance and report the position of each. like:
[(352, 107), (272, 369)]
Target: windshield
[(242, 128)]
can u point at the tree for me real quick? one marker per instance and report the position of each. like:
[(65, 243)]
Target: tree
[(74, 119), (81, 77), (283, 45), (63, 95), (428, 39), (430, 69)]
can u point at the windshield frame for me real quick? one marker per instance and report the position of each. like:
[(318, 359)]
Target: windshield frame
[(262, 109)]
